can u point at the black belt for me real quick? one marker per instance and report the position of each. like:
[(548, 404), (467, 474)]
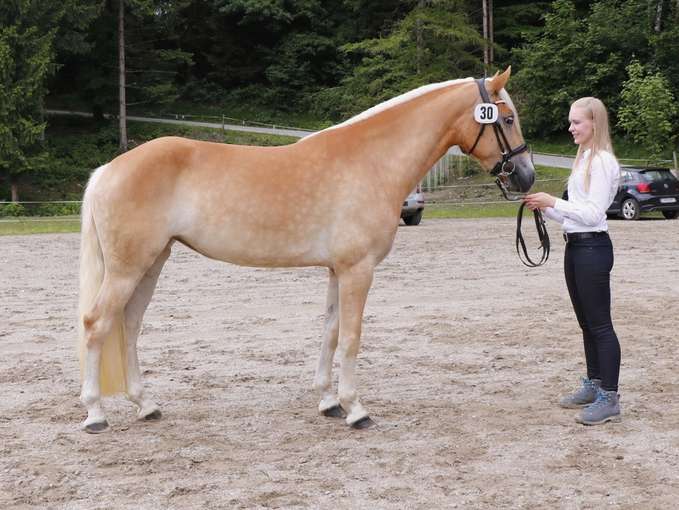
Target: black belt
[(575, 236)]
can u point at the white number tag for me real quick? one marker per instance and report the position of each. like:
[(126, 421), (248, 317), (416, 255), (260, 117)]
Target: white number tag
[(485, 113)]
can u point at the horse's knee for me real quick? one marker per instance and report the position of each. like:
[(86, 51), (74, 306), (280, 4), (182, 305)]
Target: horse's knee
[(348, 348)]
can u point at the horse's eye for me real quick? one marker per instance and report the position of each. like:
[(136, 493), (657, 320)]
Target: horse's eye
[(509, 120)]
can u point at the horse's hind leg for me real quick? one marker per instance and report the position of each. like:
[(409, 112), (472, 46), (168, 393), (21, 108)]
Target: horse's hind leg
[(134, 312), (98, 323), (329, 405)]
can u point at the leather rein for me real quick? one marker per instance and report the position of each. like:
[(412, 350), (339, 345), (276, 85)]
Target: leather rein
[(502, 172)]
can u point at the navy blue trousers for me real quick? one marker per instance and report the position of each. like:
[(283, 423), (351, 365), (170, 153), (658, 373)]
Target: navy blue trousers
[(587, 266)]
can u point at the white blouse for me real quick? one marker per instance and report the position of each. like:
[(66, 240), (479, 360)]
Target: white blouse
[(586, 212)]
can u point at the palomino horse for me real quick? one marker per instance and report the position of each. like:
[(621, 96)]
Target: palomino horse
[(303, 205)]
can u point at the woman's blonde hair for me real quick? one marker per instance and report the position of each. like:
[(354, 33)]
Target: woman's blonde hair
[(601, 138)]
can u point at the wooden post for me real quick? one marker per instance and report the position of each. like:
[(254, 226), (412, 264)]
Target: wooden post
[(121, 76), (420, 42), (486, 52), (658, 16), (14, 188), (491, 55)]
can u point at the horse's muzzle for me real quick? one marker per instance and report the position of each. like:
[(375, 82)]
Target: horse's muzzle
[(523, 177)]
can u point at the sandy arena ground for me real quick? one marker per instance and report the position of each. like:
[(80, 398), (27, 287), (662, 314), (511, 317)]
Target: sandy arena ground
[(464, 354)]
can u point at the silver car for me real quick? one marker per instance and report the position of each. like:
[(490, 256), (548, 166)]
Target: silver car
[(411, 212)]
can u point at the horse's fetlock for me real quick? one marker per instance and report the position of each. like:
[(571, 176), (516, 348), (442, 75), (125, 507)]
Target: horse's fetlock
[(135, 392), (89, 398)]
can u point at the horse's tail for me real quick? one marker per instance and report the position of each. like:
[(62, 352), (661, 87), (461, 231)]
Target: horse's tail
[(113, 376)]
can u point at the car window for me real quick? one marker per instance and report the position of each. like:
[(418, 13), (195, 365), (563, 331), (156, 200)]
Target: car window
[(658, 175), (635, 177), (670, 176)]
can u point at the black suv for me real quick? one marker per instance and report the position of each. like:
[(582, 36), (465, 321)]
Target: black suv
[(644, 190)]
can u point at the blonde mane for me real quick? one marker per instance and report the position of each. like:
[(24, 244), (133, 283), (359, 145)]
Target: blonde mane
[(394, 101)]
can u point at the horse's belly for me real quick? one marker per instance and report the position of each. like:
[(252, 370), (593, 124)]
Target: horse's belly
[(261, 249)]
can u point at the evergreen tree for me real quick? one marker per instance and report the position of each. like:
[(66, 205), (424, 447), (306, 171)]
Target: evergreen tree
[(26, 52), (154, 58), (434, 42)]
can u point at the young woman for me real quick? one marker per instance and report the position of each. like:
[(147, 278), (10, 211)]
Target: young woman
[(588, 258)]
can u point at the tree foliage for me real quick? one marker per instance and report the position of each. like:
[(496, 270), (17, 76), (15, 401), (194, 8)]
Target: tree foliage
[(647, 109), (31, 32), (25, 61), (332, 58), (433, 42), (586, 54)]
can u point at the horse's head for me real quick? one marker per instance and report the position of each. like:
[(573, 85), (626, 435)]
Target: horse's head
[(493, 135)]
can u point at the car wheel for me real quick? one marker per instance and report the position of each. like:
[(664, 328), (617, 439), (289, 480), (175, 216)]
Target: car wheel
[(670, 215), (414, 219), (630, 209)]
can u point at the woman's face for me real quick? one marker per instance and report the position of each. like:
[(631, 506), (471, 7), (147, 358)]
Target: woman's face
[(581, 126)]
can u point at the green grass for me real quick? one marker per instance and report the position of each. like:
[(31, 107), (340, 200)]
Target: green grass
[(39, 225), (508, 209), (457, 201)]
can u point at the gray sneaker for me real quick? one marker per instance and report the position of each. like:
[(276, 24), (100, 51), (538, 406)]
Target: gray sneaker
[(605, 408), (584, 395)]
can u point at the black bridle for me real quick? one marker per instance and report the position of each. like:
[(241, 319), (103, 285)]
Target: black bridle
[(502, 171)]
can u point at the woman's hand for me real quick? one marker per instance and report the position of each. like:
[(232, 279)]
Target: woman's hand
[(539, 201)]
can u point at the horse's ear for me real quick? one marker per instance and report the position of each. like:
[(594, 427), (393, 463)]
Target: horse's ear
[(499, 81)]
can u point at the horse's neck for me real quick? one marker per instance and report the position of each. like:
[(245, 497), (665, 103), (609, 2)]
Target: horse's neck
[(411, 137)]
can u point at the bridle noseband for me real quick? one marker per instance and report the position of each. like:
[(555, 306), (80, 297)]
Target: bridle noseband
[(502, 171)]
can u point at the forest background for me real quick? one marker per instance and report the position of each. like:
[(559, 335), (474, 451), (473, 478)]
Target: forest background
[(312, 63)]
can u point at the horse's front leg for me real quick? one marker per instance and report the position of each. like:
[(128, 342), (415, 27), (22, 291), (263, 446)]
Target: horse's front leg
[(329, 405), (354, 284)]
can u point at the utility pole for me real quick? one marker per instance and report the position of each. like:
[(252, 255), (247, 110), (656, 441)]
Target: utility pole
[(658, 16), (486, 52), (488, 38), (491, 31), (420, 41), (121, 76)]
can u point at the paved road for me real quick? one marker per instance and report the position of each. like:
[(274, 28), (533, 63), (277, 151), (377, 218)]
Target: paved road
[(538, 158), (273, 130)]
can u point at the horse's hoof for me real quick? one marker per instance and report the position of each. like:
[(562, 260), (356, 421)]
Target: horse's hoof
[(364, 423), (334, 412), (154, 416), (97, 427)]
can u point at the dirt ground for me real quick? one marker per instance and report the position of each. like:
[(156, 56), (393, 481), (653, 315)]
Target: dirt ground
[(464, 353)]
